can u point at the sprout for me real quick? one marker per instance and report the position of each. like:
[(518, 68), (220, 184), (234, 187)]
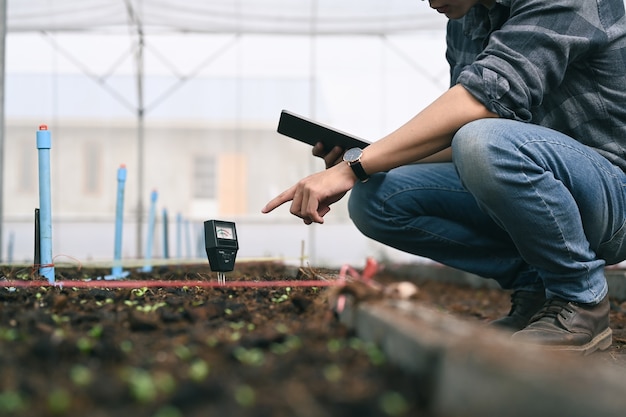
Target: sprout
[(139, 292), (59, 401), (393, 404), (141, 385), (168, 411), (84, 344), (126, 346), (245, 396), (183, 352), (8, 335), (254, 357), (81, 375), (282, 328), (198, 370), (11, 402), (332, 373), (96, 331), (334, 345)]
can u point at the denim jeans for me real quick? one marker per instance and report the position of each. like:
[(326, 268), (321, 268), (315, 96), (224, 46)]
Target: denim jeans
[(525, 205)]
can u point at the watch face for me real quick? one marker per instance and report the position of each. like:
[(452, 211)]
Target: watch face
[(352, 155)]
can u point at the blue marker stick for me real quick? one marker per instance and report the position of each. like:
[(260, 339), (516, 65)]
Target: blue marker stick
[(166, 239), (179, 231), (151, 220), (46, 268), (116, 271)]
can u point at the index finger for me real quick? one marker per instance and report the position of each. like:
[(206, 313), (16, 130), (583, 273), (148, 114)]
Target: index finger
[(279, 200)]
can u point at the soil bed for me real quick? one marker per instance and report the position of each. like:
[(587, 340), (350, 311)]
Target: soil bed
[(194, 351)]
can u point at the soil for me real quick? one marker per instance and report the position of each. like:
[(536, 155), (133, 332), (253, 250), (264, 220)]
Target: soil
[(192, 351)]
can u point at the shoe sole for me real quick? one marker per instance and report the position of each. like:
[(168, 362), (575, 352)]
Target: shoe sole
[(601, 342)]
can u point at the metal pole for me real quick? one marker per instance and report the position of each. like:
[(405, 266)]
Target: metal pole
[(140, 143), (3, 32), (313, 107)]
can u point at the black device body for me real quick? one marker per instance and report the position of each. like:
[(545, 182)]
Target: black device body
[(311, 132), (220, 240)]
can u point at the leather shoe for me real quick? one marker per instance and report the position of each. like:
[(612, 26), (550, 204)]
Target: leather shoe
[(524, 305), (568, 326)]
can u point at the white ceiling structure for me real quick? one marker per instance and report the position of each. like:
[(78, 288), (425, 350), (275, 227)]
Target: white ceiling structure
[(143, 18), (305, 17)]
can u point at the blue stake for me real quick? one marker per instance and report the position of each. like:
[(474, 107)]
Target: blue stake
[(151, 219), (179, 231), (116, 271), (187, 239), (166, 238), (46, 268)]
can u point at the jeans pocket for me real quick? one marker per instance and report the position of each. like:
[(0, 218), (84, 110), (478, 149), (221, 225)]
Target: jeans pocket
[(613, 251)]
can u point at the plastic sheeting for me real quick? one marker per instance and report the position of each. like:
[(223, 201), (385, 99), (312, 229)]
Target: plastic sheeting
[(295, 17)]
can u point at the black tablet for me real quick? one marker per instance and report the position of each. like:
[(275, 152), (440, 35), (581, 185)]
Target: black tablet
[(308, 131)]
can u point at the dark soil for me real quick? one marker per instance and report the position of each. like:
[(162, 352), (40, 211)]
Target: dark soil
[(194, 351)]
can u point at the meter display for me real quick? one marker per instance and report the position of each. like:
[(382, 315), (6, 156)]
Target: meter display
[(220, 239)]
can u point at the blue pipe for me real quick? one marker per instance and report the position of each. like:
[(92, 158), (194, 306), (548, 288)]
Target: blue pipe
[(166, 238), (116, 271), (151, 220), (46, 268), (179, 231)]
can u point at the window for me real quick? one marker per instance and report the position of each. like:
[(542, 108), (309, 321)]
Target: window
[(204, 177)]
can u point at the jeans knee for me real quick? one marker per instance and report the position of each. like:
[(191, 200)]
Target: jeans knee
[(474, 148)]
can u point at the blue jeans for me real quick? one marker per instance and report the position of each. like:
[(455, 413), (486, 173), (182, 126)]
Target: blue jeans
[(525, 205)]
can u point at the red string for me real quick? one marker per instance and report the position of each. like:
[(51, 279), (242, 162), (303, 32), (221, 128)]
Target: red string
[(166, 284)]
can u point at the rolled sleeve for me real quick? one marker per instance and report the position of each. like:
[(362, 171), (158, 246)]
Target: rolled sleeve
[(530, 54)]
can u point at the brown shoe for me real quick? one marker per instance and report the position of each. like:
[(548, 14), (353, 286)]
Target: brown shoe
[(524, 305), (567, 326)]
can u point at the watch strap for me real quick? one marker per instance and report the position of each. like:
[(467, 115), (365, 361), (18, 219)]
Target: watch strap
[(358, 170)]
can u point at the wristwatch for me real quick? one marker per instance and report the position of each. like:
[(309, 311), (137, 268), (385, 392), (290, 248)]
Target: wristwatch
[(353, 158)]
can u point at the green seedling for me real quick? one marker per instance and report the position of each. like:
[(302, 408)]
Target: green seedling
[(11, 402), (334, 345), (332, 373), (8, 335), (126, 346), (252, 357), (59, 401), (96, 331), (164, 382), (211, 341), (291, 343), (280, 299), (84, 344), (282, 328), (376, 355), (393, 404), (245, 396), (168, 411), (141, 385), (151, 308), (198, 370), (183, 352), (139, 292), (80, 375)]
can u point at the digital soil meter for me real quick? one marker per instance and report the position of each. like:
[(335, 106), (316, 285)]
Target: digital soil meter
[(220, 240)]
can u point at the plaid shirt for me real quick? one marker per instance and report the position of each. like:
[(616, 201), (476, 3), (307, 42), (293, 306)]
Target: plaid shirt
[(555, 63)]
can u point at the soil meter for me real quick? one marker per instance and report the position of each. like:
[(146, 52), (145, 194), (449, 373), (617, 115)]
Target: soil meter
[(220, 240)]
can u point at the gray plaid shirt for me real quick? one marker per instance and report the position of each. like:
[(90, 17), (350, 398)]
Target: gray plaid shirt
[(556, 63)]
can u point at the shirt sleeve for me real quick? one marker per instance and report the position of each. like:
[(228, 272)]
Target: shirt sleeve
[(530, 54)]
